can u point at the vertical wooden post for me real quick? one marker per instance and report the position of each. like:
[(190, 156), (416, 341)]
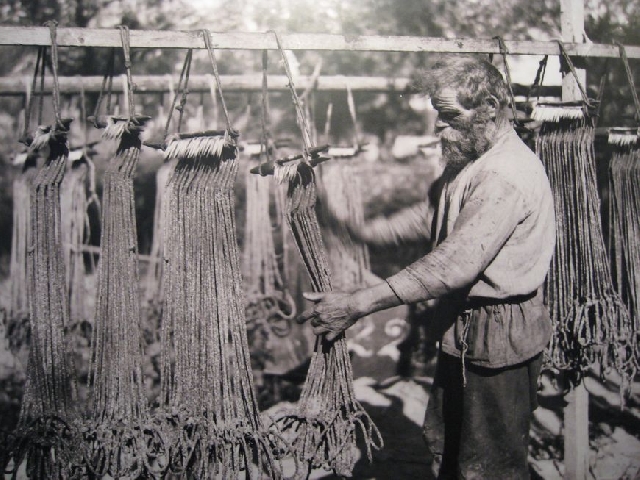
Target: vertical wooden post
[(576, 412)]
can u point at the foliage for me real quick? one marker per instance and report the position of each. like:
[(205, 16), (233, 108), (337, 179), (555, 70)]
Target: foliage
[(615, 21)]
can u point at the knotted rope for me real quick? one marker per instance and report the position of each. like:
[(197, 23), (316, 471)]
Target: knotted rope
[(215, 430), (45, 436), (270, 307), (328, 415), (120, 439), (624, 211), (592, 325)]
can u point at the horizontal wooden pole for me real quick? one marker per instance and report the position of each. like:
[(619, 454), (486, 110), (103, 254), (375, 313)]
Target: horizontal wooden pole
[(92, 37), (247, 82)]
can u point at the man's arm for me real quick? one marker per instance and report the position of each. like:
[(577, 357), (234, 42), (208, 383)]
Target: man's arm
[(334, 312), (488, 218), (408, 224)]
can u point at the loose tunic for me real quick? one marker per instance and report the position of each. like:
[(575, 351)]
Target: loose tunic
[(493, 236)]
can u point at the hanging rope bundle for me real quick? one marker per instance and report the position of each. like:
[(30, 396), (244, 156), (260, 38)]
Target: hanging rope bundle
[(270, 307), (592, 325), (341, 191), (215, 430), (328, 415), (18, 317), (73, 204), (624, 213), (119, 438), (349, 260), (624, 218), (45, 436), (154, 286)]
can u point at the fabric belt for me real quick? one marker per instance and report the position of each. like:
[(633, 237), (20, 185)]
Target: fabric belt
[(478, 302)]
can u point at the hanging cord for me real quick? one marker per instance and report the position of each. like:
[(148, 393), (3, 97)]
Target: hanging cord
[(583, 93), (504, 52), (265, 146), (92, 198), (107, 82), (537, 82), (634, 93), (603, 81), (126, 48), (183, 91), (207, 42), (352, 112), (39, 70), (53, 30), (302, 119)]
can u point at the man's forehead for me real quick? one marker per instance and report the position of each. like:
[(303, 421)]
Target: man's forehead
[(446, 99)]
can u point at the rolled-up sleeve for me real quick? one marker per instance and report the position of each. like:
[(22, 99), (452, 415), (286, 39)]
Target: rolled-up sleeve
[(489, 215)]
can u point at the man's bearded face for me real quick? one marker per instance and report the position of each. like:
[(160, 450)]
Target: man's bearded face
[(463, 132)]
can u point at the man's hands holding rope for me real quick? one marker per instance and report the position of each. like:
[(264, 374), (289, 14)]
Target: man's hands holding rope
[(334, 312)]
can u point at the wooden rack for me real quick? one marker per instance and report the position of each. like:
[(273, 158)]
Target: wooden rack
[(239, 83), (161, 39)]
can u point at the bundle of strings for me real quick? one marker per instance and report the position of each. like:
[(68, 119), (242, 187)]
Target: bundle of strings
[(328, 415), (270, 308), (73, 204), (591, 323), (20, 241), (624, 227), (153, 283), (349, 260), (120, 439), (45, 435), (216, 430)]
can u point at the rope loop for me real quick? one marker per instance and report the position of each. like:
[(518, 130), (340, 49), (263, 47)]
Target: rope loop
[(300, 116), (206, 35), (634, 93), (565, 56), (504, 52), (53, 31), (182, 91), (126, 48)]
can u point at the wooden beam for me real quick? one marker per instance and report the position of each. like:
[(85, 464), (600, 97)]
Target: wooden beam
[(247, 82), (164, 39), (576, 411)]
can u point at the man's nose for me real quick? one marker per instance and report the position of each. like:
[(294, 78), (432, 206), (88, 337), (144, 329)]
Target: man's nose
[(440, 126)]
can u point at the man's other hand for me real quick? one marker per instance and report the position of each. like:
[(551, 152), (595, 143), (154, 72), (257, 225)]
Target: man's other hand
[(332, 313)]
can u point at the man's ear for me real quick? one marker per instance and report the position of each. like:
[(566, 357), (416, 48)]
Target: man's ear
[(492, 104)]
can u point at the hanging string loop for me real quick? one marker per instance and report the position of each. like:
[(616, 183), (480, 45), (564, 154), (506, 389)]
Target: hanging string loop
[(634, 93), (206, 35), (504, 52), (300, 116)]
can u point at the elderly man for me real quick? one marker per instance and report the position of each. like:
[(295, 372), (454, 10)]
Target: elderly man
[(493, 236)]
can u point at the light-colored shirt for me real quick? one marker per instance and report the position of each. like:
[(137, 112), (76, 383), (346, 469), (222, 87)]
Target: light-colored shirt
[(494, 232)]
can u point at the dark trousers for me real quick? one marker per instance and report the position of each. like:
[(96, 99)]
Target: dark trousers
[(481, 430)]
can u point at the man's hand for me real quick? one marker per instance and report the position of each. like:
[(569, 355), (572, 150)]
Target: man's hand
[(332, 313)]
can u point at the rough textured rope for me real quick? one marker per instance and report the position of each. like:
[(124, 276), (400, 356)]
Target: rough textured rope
[(73, 204), (624, 231), (45, 437), (270, 307), (215, 430), (591, 323), (120, 439), (328, 416), (153, 281), (20, 242), (341, 188)]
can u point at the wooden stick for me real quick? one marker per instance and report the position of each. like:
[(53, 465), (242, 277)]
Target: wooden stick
[(94, 37), (247, 82), (576, 411)]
